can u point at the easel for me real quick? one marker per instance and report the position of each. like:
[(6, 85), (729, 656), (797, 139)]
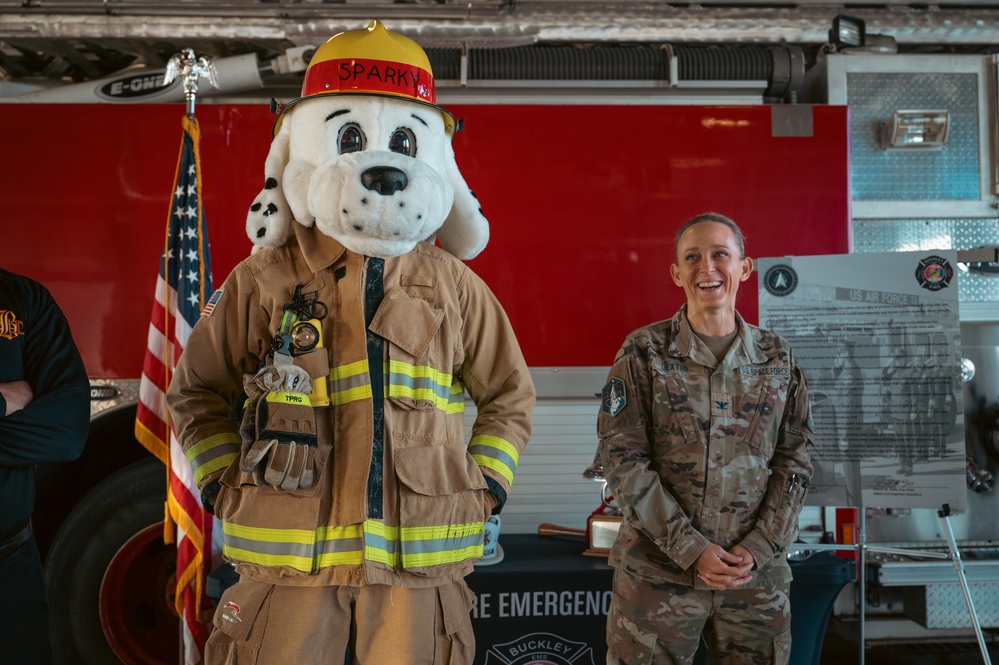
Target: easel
[(861, 547)]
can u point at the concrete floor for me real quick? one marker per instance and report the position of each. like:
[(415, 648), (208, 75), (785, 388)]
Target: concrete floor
[(841, 650)]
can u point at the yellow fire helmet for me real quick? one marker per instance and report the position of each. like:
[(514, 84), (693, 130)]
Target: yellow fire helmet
[(371, 61)]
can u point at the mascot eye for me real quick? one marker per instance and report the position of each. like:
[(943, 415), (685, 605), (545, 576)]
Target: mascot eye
[(350, 139), (403, 142)]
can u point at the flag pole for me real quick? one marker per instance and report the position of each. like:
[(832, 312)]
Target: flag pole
[(191, 68)]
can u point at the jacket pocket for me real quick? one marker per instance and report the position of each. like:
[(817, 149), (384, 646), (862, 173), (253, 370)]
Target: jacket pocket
[(454, 638), (442, 504), (784, 511), (676, 413), (782, 648), (769, 401), (628, 642), (241, 617), (419, 369)]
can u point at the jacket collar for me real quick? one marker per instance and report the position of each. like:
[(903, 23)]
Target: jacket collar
[(744, 349), (320, 250)]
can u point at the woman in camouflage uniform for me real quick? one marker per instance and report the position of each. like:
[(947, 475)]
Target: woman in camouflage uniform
[(704, 434)]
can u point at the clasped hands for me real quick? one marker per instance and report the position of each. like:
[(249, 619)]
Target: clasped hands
[(721, 569)]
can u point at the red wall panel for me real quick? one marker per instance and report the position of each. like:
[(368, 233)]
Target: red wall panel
[(583, 202)]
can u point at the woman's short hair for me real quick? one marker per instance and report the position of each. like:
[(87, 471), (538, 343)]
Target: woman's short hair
[(740, 239)]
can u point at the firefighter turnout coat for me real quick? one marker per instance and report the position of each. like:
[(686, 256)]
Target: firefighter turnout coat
[(400, 495)]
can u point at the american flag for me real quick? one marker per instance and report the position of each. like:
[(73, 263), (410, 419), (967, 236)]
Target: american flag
[(183, 287)]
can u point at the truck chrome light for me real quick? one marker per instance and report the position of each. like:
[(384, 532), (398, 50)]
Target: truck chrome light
[(847, 31), (916, 130)]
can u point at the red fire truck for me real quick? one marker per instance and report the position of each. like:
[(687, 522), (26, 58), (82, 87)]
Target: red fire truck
[(583, 192)]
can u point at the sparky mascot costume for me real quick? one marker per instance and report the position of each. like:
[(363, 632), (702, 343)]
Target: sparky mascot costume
[(351, 500)]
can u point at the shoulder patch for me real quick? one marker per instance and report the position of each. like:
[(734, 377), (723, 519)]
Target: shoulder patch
[(212, 302), (614, 397)]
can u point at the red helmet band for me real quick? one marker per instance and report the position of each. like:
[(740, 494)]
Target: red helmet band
[(374, 76)]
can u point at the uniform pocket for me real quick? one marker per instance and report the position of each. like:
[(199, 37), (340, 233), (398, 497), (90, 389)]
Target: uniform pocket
[(765, 403), (454, 642), (242, 616), (782, 648), (419, 369), (628, 643), (677, 414), (441, 505)]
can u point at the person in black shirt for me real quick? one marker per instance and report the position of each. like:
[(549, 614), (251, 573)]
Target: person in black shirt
[(44, 417)]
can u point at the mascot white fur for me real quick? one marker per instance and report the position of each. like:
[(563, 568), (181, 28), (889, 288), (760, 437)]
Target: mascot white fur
[(368, 159), (351, 502)]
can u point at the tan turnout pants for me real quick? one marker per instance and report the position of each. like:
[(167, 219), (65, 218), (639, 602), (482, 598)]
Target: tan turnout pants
[(257, 623)]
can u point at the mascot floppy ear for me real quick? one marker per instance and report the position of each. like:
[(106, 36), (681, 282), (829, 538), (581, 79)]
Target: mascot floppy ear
[(465, 231), (268, 222)]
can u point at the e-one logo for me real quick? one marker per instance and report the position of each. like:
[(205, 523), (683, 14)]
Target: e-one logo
[(129, 87), (540, 649)]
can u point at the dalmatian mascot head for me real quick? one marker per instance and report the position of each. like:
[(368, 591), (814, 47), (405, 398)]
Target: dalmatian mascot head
[(365, 155)]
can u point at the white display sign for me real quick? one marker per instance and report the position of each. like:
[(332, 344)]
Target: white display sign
[(878, 338)]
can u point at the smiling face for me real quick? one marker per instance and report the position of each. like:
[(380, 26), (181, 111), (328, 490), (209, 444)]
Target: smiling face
[(709, 268)]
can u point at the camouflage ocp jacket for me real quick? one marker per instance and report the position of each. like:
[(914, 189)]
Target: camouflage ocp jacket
[(697, 451)]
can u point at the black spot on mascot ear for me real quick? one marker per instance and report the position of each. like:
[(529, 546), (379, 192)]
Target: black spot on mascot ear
[(271, 209), (270, 183), (261, 232), (255, 207)]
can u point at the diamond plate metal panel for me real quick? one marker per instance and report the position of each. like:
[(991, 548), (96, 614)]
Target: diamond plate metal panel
[(944, 606), (951, 174), (907, 235)]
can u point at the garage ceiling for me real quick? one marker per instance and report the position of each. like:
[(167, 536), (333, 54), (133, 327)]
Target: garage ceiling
[(56, 42)]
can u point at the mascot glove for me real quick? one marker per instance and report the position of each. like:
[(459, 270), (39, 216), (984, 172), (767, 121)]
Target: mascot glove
[(284, 453), (284, 378)]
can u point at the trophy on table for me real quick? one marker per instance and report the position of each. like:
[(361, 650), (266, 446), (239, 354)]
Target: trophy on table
[(603, 523)]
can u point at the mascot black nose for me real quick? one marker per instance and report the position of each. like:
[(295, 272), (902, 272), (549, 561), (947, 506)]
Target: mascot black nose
[(386, 180)]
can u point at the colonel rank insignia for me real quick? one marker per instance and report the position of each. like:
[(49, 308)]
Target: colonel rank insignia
[(614, 397)]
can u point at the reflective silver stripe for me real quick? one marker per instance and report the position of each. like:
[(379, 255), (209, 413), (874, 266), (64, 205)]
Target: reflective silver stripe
[(350, 383), (212, 454), (493, 452), (269, 547), (418, 382), (371, 541)]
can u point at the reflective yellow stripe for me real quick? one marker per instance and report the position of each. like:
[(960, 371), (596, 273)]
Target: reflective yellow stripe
[(419, 382), (292, 548), (339, 546), (370, 541), (440, 558), (498, 467), (456, 403), (218, 464), (303, 564), (268, 535), (349, 383), (421, 371), (212, 454), (495, 453), (211, 442)]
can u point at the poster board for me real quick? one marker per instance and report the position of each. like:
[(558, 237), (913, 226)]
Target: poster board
[(878, 338)]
